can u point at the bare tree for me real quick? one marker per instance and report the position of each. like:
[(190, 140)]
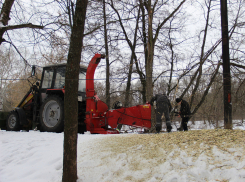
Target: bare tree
[(204, 57), (151, 41), (131, 44), (5, 17), (70, 101), (107, 57)]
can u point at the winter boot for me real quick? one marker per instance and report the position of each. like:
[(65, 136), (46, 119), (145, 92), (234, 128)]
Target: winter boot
[(158, 127), (169, 127), (181, 127)]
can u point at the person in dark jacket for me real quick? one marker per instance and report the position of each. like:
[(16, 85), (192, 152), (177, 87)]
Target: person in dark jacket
[(184, 113), (162, 106)]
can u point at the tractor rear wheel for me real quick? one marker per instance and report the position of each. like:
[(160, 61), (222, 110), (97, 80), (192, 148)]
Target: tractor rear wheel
[(52, 114), (13, 122)]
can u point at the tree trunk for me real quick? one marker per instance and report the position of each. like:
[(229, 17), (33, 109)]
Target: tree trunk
[(133, 57), (149, 63), (108, 99), (71, 86), (5, 11), (141, 74), (226, 66), (127, 91)]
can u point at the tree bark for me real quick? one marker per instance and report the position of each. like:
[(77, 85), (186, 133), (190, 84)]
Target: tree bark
[(71, 86), (108, 100), (149, 63), (5, 12), (133, 57), (226, 66), (141, 74)]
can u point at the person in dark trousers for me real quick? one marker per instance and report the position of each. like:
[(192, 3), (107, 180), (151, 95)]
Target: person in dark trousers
[(184, 114), (162, 106)]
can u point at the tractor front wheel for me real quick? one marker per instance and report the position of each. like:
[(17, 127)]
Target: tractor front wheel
[(13, 122), (52, 114)]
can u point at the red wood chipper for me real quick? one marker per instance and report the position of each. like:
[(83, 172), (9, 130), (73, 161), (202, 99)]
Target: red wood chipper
[(43, 105)]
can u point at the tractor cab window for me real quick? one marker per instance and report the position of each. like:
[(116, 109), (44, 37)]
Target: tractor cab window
[(47, 78), (82, 82), (60, 77)]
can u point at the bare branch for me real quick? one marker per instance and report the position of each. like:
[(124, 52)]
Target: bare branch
[(28, 25)]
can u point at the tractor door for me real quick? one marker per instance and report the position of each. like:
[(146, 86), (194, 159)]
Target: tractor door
[(47, 82)]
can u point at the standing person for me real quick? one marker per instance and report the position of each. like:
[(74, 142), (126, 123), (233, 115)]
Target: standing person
[(184, 113), (163, 106)]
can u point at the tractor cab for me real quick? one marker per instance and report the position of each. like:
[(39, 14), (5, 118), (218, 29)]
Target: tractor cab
[(53, 81)]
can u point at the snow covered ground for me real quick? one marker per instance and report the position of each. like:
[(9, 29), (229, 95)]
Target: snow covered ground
[(197, 155)]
